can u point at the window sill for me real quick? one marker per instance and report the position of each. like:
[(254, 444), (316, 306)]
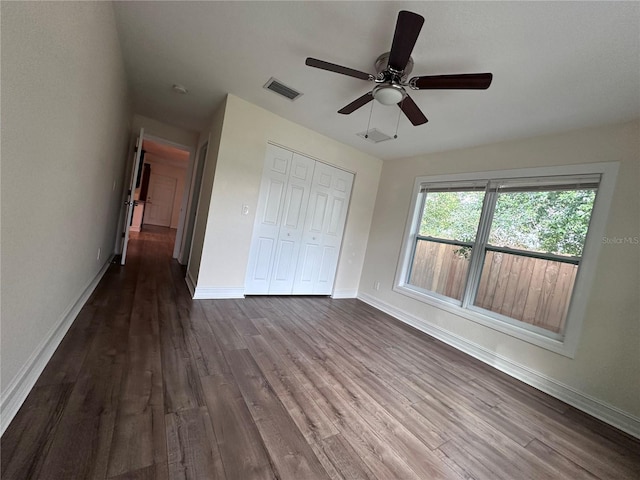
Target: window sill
[(451, 306)]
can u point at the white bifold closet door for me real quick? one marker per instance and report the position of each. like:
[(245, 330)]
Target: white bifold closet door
[(323, 229), (299, 224)]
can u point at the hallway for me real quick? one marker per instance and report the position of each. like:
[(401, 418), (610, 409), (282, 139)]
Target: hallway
[(149, 384), (104, 383)]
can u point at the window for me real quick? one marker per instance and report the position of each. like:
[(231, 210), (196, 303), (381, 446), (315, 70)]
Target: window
[(446, 238), (507, 250)]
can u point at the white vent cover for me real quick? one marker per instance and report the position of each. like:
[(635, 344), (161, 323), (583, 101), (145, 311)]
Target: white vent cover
[(281, 89), (374, 135)]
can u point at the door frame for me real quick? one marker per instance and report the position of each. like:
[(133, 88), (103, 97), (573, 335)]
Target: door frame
[(274, 253), (195, 175), (177, 246), (127, 205)]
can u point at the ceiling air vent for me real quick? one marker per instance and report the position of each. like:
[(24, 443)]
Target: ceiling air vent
[(281, 89), (374, 135)]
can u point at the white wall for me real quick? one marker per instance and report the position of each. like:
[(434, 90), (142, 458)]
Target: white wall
[(65, 126), (607, 363), (214, 137), (245, 133)]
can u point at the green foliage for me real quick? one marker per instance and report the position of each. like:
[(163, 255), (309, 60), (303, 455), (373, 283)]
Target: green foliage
[(544, 221), (553, 221), (452, 215)]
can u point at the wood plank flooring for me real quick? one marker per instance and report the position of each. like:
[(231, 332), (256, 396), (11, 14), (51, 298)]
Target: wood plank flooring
[(149, 384)]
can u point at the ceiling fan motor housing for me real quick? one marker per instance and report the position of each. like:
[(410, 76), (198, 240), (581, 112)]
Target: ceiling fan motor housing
[(382, 66), (393, 68)]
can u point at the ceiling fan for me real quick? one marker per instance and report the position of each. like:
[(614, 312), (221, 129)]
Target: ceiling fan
[(394, 67)]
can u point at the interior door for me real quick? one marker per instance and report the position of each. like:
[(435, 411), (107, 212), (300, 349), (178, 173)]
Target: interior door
[(292, 225), (323, 230), (159, 202), (132, 188), (192, 207), (268, 217)]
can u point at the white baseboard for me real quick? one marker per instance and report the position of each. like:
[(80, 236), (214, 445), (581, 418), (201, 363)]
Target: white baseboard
[(345, 294), (591, 405), (191, 284), (214, 293), (16, 392)]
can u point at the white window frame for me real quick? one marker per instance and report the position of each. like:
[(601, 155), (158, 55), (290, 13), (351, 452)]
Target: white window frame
[(566, 344)]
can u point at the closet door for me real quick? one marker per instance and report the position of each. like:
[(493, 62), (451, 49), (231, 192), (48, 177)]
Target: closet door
[(292, 225), (323, 230), (266, 230)]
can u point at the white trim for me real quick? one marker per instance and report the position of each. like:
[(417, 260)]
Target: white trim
[(475, 315), (191, 284), (215, 293), (346, 293), (586, 274), (130, 194), (16, 392), (344, 169), (197, 165), (582, 401)]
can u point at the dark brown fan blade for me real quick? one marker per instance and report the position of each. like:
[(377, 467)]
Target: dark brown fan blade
[(408, 28), (356, 104), (475, 81), (332, 67), (412, 111)]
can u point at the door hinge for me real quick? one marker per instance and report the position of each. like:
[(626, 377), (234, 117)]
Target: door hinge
[(122, 235)]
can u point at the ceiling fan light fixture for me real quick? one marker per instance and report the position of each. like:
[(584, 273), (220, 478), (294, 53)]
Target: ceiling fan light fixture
[(393, 68), (389, 94)]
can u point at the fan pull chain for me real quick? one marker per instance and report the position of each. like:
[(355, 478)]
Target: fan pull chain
[(398, 122), (366, 135)]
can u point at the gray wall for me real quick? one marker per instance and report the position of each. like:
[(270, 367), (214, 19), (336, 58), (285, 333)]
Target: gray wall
[(65, 129)]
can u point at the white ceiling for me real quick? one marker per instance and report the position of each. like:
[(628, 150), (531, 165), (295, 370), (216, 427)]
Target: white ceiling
[(556, 65)]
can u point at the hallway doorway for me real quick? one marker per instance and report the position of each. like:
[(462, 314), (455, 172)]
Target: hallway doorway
[(161, 188), (154, 233)]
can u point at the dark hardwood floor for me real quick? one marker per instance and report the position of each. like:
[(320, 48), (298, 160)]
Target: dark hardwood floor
[(149, 384)]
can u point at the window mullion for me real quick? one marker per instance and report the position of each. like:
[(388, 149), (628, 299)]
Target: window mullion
[(415, 233), (477, 252)]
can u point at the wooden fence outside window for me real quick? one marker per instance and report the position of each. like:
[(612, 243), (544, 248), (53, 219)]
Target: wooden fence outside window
[(533, 290)]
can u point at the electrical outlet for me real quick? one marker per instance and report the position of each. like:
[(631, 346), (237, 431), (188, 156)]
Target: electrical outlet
[(99, 252), (376, 285), (245, 209)]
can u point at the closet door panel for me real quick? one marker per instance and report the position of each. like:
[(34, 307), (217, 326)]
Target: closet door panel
[(263, 258), (275, 196), (268, 218), (323, 230), (292, 225), (284, 260), (308, 258), (300, 219)]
